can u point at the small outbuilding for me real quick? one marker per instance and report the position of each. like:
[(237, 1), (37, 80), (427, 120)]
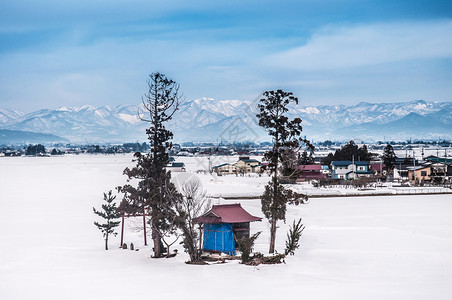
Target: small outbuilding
[(222, 224)]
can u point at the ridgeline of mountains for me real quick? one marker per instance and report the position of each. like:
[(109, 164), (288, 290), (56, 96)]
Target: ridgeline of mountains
[(209, 120)]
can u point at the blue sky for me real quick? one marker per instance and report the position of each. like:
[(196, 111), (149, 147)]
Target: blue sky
[(69, 53)]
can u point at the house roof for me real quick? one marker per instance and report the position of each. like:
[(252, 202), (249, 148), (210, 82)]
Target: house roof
[(178, 165), (309, 167), (219, 166), (312, 175), (438, 159), (421, 167), (226, 213), (249, 160), (349, 162)]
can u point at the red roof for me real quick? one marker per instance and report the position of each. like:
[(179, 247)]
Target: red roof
[(377, 166), (312, 175), (309, 167), (226, 213)]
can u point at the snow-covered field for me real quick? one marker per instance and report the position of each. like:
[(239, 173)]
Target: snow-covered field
[(397, 247)]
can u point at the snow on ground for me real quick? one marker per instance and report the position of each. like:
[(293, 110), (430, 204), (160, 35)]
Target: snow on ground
[(396, 247)]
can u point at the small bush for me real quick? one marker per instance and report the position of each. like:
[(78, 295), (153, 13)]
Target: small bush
[(246, 246)]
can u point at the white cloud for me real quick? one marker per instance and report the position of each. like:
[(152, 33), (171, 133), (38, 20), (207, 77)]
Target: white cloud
[(367, 62), (349, 47)]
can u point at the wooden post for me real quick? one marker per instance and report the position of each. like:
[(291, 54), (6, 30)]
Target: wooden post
[(122, 229), (200, 238), (144, 227)]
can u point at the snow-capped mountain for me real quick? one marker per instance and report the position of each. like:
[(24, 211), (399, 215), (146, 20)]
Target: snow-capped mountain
[(8, 115), (234, 120)]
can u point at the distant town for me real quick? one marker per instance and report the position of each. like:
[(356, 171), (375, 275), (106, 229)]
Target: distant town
[(416, 162)]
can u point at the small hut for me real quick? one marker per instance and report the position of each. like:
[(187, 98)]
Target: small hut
[(222, 223)]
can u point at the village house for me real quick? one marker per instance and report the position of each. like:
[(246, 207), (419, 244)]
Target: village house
[(350, 169), (439, 172), (224, 169), (421, 173), (378, 168), (243, 166), (436, 159), (310, 172), (176, 167), (401, 172), (247, 165)]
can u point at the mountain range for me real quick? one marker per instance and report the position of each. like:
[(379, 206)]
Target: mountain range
[(209, 120)]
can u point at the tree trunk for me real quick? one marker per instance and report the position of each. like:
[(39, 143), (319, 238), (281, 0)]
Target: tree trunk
[(157, 252), (156, 240), (106, 242), (272, 235)]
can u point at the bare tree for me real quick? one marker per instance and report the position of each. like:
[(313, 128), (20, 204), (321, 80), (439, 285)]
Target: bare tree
[(194, 203)]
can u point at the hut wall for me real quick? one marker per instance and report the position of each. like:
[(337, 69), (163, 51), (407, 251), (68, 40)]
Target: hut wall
[(219, 237)]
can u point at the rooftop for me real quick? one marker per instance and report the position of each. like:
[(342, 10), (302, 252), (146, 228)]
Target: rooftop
[(226, 213)]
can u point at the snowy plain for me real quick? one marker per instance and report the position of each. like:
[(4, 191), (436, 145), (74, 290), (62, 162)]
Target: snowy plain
[(397, 247)]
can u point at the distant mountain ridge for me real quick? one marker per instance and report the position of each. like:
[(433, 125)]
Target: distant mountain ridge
[(234, 120), (14, 137)]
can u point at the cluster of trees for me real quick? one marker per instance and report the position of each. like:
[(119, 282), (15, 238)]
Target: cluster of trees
[(35, 150), (170, 210), (152, 192), (443, 143), (350, 152), (136, 147)]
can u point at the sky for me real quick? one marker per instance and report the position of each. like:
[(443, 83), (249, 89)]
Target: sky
[(71, 53)]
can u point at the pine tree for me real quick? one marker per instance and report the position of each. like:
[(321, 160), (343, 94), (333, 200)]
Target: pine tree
[(389, 158), (155, 195), (286, 135), (293, 237), (110, 214)]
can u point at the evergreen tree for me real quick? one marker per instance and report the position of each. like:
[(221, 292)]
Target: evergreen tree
[(155, 195), (389, 158), (110, 214), (305, 158), (350, 152), (293, 237), (286, 135), (328, 159), (35, 150)]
